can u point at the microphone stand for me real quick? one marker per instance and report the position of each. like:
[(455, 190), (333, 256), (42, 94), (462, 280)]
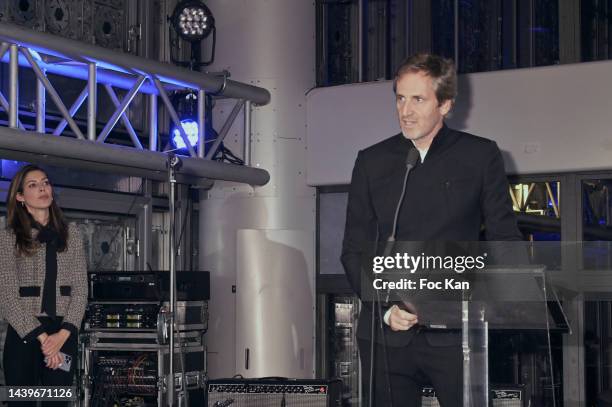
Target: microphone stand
[(174, 164), (411, 160)]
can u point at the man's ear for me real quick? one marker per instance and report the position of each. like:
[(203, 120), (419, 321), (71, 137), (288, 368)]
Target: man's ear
[(446, 106)]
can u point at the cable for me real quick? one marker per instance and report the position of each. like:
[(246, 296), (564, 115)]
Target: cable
[(132, 370), (372, 359), (373, 340), (184, 379), (550, 360), (223, 85), (183, 226), (227, 155), (384, 343)]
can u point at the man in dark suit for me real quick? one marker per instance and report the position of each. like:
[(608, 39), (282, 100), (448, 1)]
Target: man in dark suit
[(457, 187)]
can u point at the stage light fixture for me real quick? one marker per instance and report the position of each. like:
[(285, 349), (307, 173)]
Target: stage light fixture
[(191, 129), (192, 20)]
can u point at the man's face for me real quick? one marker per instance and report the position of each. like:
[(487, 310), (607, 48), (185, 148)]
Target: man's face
[(420, 115)]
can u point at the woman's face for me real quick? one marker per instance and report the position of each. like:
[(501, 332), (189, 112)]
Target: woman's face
[(37, 192)]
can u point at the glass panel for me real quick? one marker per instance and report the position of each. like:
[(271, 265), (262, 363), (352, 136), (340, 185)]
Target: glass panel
[(598, 353), (597, 224), (597, 234), (597, 210)]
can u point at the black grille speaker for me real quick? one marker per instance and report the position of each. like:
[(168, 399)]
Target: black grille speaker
[(273, 392)]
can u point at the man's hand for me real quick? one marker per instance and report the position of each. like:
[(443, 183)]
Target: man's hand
[(54, 361), (54, 342), (400, 320)]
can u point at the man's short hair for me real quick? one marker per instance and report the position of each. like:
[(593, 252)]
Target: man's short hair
[(440, 70)]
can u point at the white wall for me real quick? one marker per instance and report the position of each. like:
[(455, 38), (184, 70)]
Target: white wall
[(549, 119), (269, 43)]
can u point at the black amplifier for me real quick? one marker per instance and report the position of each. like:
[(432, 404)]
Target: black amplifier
[(507, 396), (512, 395), (428, 398), (273, 392), (144, 315), (121, 316), (148, 286)]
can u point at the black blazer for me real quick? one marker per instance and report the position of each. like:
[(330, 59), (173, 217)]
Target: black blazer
[(460, 187)]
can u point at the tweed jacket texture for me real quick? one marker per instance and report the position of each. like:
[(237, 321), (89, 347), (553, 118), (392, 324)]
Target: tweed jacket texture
[(22, 282)]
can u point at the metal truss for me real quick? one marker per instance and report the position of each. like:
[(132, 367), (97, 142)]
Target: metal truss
[(45, 53)]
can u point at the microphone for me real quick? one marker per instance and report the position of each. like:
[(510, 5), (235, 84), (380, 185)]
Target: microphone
[(411, 160)]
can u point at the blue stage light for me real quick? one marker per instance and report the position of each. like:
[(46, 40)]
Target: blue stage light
[(10, 168), (191, 128)]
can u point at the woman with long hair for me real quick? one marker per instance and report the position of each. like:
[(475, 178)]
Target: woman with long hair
[(43, 289)]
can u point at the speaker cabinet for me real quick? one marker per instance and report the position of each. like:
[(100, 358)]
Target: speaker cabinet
[(271, 392)]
